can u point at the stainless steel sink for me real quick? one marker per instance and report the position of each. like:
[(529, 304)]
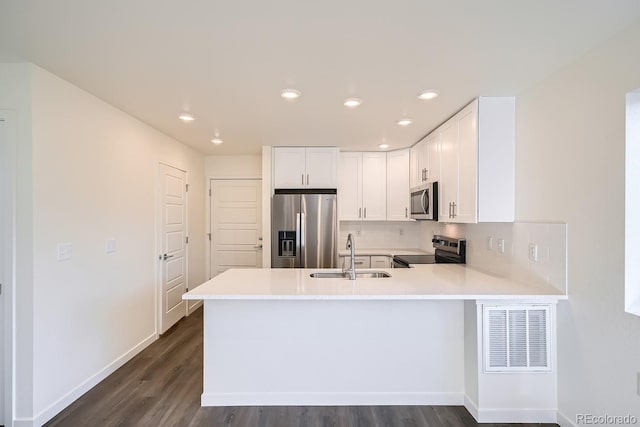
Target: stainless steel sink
[(341, 275)]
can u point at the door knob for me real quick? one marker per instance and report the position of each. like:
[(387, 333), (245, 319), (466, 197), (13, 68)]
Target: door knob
[(165, 257)]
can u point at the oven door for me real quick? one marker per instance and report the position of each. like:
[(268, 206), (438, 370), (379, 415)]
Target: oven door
[(422, 202)]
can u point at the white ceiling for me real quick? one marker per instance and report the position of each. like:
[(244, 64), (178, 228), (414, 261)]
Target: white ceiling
[(226, 61)]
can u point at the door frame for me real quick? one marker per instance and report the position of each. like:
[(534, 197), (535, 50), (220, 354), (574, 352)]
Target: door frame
[(8, 161), (159, 249), (208, 212)]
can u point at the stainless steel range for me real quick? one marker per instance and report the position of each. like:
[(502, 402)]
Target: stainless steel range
[(449, 250)]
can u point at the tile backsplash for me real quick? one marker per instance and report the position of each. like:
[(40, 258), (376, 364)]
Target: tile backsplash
[(515, 262), (373, 234)]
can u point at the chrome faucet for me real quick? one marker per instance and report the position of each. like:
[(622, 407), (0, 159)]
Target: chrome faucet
[(352, 268)]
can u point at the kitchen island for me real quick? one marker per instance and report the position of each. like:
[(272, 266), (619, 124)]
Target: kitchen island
[(281, 337)]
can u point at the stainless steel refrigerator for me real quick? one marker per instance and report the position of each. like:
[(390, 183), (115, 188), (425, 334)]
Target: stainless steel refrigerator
[(304, 229)]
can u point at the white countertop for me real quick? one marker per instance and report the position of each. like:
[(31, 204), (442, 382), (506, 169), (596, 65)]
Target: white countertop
[(425, 281), (383, 252)]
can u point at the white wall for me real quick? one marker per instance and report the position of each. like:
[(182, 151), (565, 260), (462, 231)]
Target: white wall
[(239, 166), (383, 234), (570, 141), (94, 172)]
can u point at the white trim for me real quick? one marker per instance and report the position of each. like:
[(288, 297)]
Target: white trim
[(238, 178), (8, 161), (564, 421), (521, 415), (471, 406), (56, 407), (330, 399)]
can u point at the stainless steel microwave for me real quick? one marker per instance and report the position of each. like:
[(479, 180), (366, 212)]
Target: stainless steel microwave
[(424, 201)]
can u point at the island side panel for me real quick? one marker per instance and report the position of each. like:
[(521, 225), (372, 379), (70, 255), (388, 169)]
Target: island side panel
[(329, 352)]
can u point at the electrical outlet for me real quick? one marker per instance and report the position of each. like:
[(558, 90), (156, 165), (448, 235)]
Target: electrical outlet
[(64, 251), (501, 246), (110, 245), (533, 252), (490, 243)]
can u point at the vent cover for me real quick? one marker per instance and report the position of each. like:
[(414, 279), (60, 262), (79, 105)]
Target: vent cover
[(516, 338)]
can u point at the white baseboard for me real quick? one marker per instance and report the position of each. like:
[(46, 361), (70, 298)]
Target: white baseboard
[(509, 415), (330, 399), (471, 406), (56, 407), (565, 421)]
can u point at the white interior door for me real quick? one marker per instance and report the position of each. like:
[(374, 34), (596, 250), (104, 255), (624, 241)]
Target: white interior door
[(173, 250), (236, 224)]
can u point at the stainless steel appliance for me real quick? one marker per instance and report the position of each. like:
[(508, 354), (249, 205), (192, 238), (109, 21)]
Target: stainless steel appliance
[(449, 250), (304, 229), (424, 201)]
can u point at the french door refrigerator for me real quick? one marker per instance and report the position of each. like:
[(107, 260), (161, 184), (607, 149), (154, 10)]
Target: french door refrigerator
[(304, 229)]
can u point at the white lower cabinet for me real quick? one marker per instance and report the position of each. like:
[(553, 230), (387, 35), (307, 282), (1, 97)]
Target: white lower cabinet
[(365, 261), (379, 261), (360, 261)]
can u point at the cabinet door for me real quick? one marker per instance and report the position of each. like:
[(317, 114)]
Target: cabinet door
[(289, 167), (398, 185), (433, 155), (378, 261), (361, 261), (374, 186), (321, 167), (350, 186), (466, 206), (448, 184), (414, 171)]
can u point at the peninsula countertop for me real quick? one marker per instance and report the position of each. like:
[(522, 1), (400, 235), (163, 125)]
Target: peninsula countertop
[(423, 282)]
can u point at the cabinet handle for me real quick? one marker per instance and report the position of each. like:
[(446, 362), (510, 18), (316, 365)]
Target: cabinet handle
[(406, 212), (449, 209), (359, 262), (359, 212), (302, 176), (307, 179), (454, 209), (426, 174), (365, 212)]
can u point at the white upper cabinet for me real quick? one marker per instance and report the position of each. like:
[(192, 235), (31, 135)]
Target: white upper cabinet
[(374, 186), (305, 167), (476, 181), (420, 163), (350, 186), (433, 156), (398, 198), (362, 189)]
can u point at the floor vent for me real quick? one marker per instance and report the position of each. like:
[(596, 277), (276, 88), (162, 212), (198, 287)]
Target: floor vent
[(516, 338)]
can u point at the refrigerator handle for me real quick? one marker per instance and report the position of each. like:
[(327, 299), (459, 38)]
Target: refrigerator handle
[(300, 232)]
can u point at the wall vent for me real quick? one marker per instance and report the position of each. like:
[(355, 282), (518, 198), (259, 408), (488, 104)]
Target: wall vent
[(516, 338)]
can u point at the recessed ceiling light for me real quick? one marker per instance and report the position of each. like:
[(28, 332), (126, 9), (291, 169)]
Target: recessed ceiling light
[(186, 117), (404, 122), (352, 102), (290, 94), (428, 94), (217, 141), (383, 146)]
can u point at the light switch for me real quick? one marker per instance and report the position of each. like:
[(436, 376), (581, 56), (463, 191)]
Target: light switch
[(110, 246), (64, 251), (490, 243), (501, 246)]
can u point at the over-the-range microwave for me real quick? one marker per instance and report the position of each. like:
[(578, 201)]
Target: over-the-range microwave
[(424, 201)]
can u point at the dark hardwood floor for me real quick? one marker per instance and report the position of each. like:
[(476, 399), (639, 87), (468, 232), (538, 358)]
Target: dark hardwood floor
[(162, 385)]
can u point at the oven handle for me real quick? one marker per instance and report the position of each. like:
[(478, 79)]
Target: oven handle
[(422, 201)]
